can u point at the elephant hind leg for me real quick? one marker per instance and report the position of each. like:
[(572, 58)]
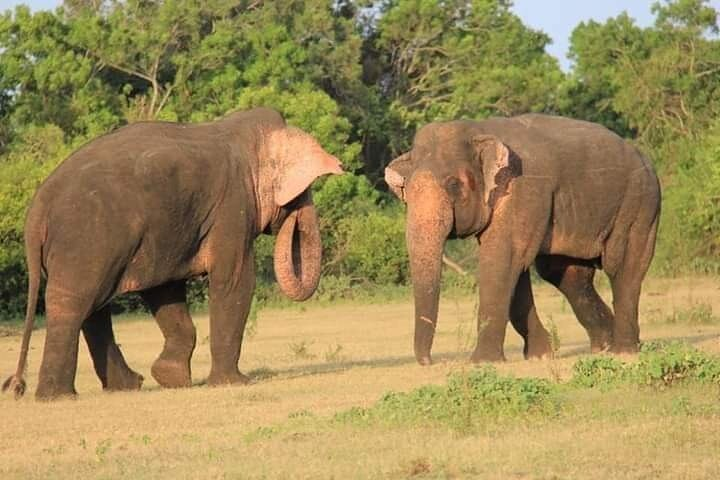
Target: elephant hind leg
[(574, 278), (65, 311), (626, 283), (524, 319), (110, 366), (168, 304)]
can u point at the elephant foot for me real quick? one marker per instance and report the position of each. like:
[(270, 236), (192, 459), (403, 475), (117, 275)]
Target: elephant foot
[(624, 348), (171, 374), (423, 360), (599, 345), (538, 349), (123, 380), (227, 378), (47, 392), (485, 355)]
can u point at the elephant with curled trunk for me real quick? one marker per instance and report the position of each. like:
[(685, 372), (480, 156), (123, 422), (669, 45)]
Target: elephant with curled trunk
[(151, 205), (568, 195)]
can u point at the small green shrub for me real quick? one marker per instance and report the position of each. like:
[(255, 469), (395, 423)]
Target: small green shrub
[(597, 371), (665, 363), (659, 364), (495, 394), (465, 402)]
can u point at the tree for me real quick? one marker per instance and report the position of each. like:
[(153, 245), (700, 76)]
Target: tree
[(660, 84), (598, 52), (47, 80), (462, 58)]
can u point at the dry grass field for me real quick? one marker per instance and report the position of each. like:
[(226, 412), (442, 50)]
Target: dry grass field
[(310, 363)]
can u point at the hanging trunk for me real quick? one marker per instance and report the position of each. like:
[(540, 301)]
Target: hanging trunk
[(429, 221), (298, 252)]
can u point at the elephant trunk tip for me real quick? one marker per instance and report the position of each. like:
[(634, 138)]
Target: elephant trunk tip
[(15, 383)]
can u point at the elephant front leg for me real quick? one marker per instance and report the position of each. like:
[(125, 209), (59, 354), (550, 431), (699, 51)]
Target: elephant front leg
[(500, 276), (168, 305), (230, 300)]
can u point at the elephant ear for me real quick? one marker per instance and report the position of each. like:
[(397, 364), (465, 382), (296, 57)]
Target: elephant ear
[(397, 174), (301, 160), (497, 164)]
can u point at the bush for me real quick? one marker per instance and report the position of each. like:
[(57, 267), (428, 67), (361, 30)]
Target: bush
[(344, 196), (371, 248), (465, 402), (37, 151), (597, 371), (495, 394), (659, 364), (689, 236), (665, 363)]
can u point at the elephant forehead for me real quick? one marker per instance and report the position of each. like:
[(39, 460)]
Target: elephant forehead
[(442, 143)]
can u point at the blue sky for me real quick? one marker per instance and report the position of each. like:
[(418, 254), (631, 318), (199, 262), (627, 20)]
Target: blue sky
[(557, 18)]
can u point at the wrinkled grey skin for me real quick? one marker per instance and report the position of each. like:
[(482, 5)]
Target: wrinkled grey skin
[(150, 205), (568, 195)]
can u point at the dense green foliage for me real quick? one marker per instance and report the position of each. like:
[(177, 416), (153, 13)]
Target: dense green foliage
[(361, 76)]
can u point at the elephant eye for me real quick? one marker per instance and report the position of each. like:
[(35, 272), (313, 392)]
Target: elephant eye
[(453, 185)]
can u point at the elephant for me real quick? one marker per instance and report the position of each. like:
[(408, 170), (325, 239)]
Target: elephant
[(151, 205), (567, 195)]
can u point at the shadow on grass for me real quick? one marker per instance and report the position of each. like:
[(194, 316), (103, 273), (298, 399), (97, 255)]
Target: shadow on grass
[(268, 374), (577, 349), (335, 367)]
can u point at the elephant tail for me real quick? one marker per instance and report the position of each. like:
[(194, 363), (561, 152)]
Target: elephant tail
[(33, 251)]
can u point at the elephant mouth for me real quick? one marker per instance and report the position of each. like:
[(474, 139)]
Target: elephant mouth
[(277, 221)]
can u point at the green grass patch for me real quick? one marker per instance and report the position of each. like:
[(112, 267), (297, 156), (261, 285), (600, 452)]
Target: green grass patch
[(659, 364), (482, 400), (468, 401)]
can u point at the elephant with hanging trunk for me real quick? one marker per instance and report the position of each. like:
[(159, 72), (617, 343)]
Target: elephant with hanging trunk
[(568, 195), (151, 205)]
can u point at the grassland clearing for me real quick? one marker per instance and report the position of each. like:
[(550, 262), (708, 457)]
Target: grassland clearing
[(311, 363)]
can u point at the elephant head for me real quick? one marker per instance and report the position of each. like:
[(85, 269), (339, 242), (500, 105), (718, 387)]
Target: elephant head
[(451, 180), (290, 160)]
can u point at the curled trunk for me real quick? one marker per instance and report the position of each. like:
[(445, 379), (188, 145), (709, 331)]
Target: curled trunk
[(298, 252), (429, 221)]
